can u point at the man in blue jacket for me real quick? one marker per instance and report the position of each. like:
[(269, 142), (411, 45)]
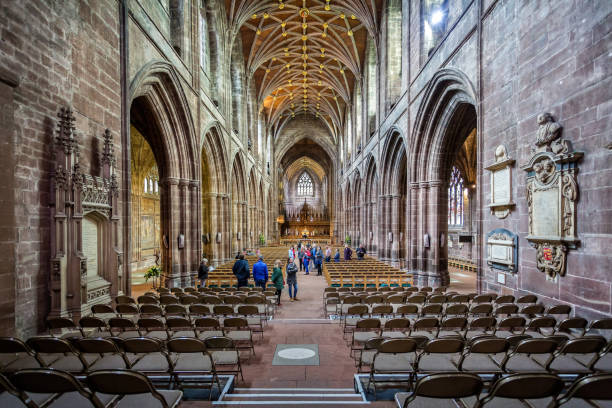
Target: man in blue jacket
[(260, 273)]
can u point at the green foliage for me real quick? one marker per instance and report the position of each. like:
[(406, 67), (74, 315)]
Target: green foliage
[(152, 273), (347, 239), (262, 239)]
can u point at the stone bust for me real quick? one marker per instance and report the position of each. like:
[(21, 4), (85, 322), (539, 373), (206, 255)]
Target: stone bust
[(548, 130)]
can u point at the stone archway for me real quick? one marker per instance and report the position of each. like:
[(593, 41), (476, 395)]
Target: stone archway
[(370, 212), (160, 112), (393, 201), (444, 120), (215, 198), (238, 205)]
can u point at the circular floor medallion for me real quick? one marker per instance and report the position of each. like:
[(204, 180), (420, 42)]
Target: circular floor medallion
[(296, 353)]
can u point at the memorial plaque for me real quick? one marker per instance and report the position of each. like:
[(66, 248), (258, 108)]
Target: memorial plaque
[(552, 192), (502, 250), (501, 183)]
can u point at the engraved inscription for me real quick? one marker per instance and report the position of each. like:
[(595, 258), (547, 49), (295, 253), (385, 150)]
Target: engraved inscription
[(546, 213), (501, 186)]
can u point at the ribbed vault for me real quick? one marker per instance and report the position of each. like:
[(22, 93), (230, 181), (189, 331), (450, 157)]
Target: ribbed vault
[(305, 56)]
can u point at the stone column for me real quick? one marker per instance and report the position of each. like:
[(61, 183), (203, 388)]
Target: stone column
[(395, 229), (170, 219), (196, 228)]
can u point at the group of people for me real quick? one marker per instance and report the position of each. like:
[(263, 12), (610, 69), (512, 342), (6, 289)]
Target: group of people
[(261, 276), (305, 254)]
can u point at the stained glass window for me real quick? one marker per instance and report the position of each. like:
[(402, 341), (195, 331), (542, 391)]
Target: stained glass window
[(304, 185), (455, 199)]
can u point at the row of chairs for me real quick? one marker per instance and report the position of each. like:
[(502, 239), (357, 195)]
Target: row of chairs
[(334, 307), (42, 388), (152, 357), (432, 327), (487, 356), (240, 329), (524, 390), (193, 310)]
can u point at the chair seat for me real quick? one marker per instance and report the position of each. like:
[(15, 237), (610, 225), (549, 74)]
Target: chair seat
[(210, 333), (438, 362), (172, 398), (401, 362), (429, 334), (568, 364), (152, 362), (70, 363), (604, 363), (128, 334), (24, 361), (107, 362), (481, 363), (470, 334), (363, 336), (9, 400), (450, 333), (394, 334), (191, 362), (239, 335), (182, 333), (423, 402), (225, 357), (522, 363), (74, 399), (156, 334)]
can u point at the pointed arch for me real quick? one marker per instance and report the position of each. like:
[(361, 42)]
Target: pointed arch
[(158, 86)]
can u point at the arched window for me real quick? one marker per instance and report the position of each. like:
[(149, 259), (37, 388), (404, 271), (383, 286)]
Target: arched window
[(304, 185), (455, 199)]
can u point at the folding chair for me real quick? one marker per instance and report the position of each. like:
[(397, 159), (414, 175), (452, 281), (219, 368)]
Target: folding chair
[(588, 391), (102, 354), (477, 357), (395, 357), (440, 355), (237, 329), (441, 390), (65, 390), (133, 388), (16, 355), (58, 354), (225, 354), (535, 389)]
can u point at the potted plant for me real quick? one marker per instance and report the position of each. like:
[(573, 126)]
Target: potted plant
[(262, 239), (347, 240), (154, 273)]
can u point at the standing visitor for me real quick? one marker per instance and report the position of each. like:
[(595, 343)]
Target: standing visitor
[(292, 280), (348, 252), (290, 253), (319, 260), (306, 261), (327, 254), (260, 273), (203, 272), (337, 256), (301, 258), (277, 280), (361, 251), (241, 271)]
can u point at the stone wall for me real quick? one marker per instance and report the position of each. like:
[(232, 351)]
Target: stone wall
[(63, 53)]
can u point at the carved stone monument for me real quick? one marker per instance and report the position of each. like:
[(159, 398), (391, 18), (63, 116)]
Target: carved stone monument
[(83, 207), (552, 192), (502, 250), (501, 183)]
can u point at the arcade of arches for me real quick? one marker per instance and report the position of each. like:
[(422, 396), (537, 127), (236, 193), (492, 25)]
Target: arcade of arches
[(466, 143)]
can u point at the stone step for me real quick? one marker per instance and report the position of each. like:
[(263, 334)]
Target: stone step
[(279, 397)]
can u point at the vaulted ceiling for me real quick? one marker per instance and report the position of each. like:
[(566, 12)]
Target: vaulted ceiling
[(305, 56)]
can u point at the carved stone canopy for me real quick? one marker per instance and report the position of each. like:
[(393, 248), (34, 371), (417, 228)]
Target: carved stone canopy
[(552, 194)]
